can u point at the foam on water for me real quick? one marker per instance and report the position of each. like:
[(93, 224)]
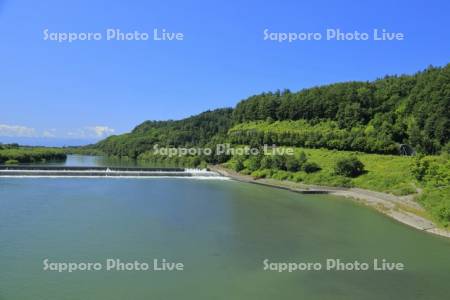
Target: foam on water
[(120, 177)]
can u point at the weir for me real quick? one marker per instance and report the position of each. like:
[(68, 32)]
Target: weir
[(52, 171)]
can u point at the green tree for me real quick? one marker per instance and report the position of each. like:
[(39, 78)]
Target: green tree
[(292, 164), (349, 166)]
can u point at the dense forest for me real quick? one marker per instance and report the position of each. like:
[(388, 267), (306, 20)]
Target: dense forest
[(205, 128), (373, 117), (301, 133), (411, 110)]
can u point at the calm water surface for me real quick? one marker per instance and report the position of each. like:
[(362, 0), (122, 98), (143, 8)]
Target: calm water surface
[(221, 230)]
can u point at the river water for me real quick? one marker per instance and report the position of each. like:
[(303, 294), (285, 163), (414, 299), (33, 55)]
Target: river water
[(221, 231)]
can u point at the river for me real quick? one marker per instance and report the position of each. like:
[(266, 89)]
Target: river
[(221, 231)]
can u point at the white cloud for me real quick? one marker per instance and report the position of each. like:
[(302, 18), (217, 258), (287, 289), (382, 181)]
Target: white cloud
[(91, 132), (100, 131), (48, 134), (17, 131), (88, 132)]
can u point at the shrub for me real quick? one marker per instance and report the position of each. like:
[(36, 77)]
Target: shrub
[(437, 202), (349, 167), (432, 171), (311, 167), (328, 179), (261, 174), (238, 164), (281, 175), (298, 177), (404, 189), (292, 164), (302, 158), (446, 149), (420, 167), (266, 162), (11, 162), (254, 163), (278, 162), (246, 172), (203, 165)]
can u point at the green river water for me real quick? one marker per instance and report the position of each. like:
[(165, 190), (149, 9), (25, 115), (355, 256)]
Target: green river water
[(220, 230)]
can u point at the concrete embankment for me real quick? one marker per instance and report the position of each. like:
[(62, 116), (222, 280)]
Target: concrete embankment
[(64, 171)]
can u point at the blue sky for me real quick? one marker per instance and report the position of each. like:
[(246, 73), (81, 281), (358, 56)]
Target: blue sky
[(85, 90)]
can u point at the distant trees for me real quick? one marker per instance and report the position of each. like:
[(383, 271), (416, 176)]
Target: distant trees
[(199, 130), (16, 154), (9, 146)]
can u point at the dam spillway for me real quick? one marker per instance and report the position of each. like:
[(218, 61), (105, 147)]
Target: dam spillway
[(67, 171)]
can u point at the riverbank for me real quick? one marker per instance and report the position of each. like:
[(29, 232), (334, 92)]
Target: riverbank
[(401, 208), (14, 154)]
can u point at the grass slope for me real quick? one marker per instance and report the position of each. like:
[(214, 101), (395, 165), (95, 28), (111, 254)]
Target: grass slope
[(396, 175)]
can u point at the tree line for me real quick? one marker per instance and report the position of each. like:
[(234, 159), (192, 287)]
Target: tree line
[(404, 109), (13, 154), (374, 117)]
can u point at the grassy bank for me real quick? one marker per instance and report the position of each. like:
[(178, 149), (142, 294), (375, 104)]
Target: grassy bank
[(397, 175), (383, 173)]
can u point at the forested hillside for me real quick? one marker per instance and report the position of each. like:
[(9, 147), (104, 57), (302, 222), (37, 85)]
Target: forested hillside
[(410, 110), (202, 129), (373, 117), (383, 117)]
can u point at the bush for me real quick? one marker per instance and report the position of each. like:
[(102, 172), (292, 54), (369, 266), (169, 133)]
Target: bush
[(404, 189), (266, 162), (11, 162), (328, 179), (437, 202), (238, 164), (254, 163), (203, 165), (432, 171), (262, 174), (298, 177), (302, 158), (311, 167), (349, 167), (281, 175), (292, 164), (420, 167), (446, 149), (279, 162), (245, 172)]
